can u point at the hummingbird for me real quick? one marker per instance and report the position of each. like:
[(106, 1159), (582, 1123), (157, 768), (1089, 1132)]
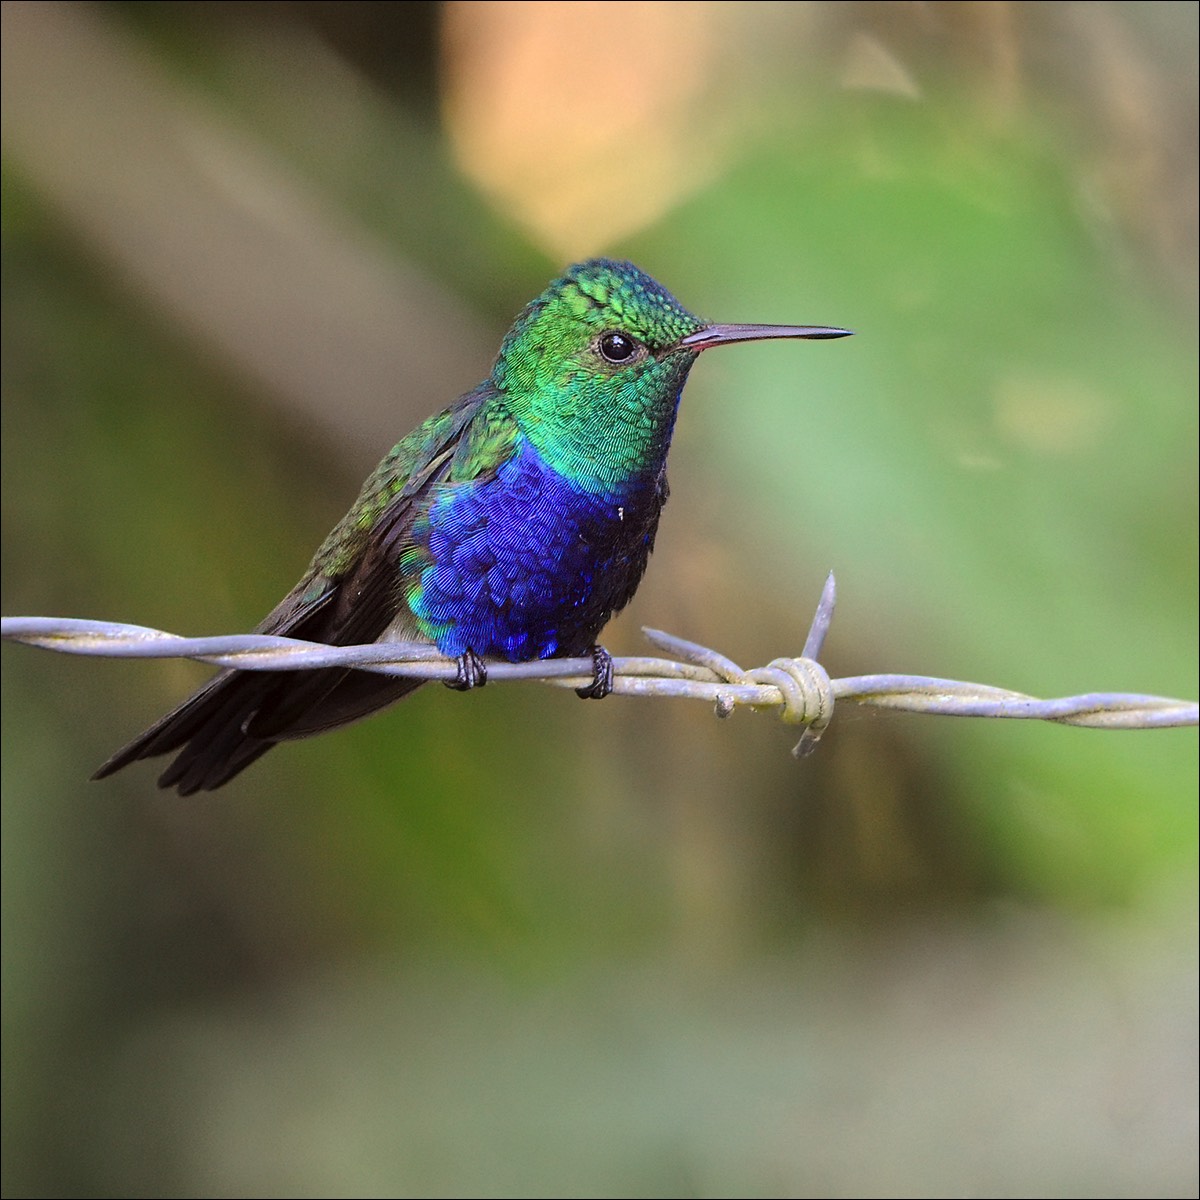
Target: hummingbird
[(511, 525)]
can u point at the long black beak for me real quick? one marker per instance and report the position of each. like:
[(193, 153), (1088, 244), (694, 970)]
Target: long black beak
[(724, 335)]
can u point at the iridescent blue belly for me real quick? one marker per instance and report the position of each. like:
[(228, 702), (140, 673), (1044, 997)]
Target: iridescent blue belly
[(527, 565)]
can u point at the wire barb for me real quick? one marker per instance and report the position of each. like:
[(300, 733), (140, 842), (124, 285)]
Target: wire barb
[(799, 687)]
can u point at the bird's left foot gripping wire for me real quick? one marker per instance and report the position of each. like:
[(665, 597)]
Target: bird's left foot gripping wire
[(602, 676)]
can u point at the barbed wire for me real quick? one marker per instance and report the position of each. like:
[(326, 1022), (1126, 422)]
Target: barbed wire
[(799, 687)]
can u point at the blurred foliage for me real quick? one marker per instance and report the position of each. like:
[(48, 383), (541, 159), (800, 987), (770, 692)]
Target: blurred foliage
[(507, 944)]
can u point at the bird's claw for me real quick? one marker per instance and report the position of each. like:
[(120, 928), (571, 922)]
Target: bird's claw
[(602, 676), (472, 672)]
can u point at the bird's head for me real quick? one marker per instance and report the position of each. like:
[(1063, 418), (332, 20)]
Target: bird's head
[(593, 368)]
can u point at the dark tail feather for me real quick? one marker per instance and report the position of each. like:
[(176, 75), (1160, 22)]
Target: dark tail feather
[(239, 715)]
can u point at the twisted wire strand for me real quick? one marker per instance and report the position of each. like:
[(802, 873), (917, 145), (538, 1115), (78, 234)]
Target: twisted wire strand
[(799, 687)]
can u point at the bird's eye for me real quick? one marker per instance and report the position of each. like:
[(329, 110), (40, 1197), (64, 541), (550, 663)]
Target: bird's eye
[(618, 347)]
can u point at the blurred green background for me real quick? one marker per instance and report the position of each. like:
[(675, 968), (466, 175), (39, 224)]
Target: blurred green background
[(509, 944)]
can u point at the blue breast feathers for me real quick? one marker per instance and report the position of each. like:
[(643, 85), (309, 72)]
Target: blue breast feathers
[(525, 565)]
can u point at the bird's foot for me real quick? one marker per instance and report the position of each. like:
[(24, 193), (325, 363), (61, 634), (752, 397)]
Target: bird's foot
[(602, 676), (472, 672)]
